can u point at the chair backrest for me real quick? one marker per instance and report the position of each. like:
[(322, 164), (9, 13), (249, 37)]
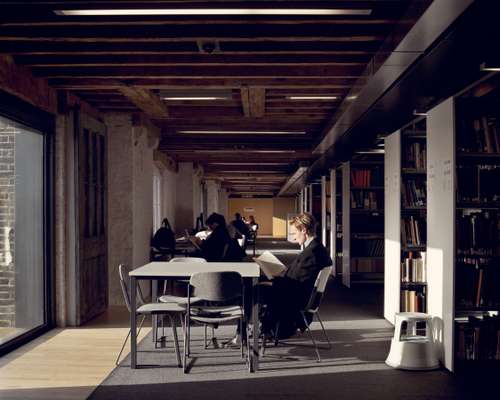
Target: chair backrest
[(217, 286), (124, 284), (318, 289), (242, 241), (188, 259)]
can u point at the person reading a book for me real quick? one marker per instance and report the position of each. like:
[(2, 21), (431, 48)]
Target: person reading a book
[(218, 246), (290, 290)]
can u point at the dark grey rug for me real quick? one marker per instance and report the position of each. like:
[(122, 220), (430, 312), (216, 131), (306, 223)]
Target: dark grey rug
[(353, 369)]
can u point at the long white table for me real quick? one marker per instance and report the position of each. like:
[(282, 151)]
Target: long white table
[(166, 270)]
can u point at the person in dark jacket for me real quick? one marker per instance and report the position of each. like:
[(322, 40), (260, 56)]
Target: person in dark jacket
[(219, 246), (289, 293)]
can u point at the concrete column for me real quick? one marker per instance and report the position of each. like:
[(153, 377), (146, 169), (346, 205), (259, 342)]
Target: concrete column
[(185, 210), (223, 204), (212, 196), (130, 196)]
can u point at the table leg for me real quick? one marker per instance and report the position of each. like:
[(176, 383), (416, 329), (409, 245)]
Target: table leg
[(154, 318), (254, 361), (133, 323)]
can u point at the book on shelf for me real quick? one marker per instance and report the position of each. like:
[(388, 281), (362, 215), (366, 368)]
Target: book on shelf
[(478, 183), (413, 269), (477, 286), (413, 193), (478, 338), (415, 156), (367, 265), (413, 231), (367, 247), (412, 301), (480, 135), (365, 200), (361, 178)]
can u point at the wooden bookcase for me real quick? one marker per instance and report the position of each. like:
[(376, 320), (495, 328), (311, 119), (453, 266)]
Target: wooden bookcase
[(464, 242), (405, 220), (362, 221)]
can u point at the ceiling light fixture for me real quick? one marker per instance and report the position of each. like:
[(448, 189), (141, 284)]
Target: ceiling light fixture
[(312, 97), (485, 67), (195, 98), (206, 132), (351, 97), (374, 151), (216, 11)]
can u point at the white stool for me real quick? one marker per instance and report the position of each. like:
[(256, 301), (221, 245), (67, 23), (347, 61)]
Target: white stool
[(412, 351)]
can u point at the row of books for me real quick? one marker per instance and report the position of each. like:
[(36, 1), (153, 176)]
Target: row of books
[(413, 193), (415, 156), (414, 269), (478, 183), (367, 248), (412, 301), (477, 231), (479, 135), (367, 266), (413, 231), (367, 177), (363, 199), (478, 339), (477, 287)]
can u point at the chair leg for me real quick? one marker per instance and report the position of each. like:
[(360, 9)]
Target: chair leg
[(324, 331), (186, 345), (241, 337), (311, 335), (125, 342), (276, 333), (205, 337), (176, 340)]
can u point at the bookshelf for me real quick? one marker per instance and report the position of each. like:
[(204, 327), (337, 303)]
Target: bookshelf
[(336, 202), (362, 221), (464, 247), (413, 277)]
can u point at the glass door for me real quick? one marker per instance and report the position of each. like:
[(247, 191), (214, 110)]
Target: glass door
[(23, 278)]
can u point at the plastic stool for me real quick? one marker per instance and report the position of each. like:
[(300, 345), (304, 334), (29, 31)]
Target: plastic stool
[(412, 351)]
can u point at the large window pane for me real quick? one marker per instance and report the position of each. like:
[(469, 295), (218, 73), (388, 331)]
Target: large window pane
[(22, 287)]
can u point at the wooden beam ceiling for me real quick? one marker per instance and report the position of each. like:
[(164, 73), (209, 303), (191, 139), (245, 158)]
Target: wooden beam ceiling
[(121, 63)]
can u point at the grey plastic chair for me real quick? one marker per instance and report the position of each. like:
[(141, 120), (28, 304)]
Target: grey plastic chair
[(164, 309), (312, 307), (166, 298), (219, 287)]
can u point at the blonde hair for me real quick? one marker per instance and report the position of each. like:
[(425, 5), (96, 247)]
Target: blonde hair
[(304, 221)]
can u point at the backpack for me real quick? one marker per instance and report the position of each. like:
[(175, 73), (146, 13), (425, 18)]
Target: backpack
[(164, 238)]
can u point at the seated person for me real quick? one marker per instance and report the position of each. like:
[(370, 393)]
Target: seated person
[(219, 246), (290, 293), (240, 225), (252, 224)]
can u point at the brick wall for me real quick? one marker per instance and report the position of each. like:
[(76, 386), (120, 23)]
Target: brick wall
[(7, 215)]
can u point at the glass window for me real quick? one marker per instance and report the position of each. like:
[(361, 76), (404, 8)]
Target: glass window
[(22, 276)]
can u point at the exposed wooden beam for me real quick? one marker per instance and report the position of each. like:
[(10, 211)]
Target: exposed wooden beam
[(203, 72), (76, 60), (245, 102), (257, 101), (102, 33), (79, 83), (146, 100)]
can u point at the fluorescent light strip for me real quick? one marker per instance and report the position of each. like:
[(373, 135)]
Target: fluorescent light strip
[(216, 11), (483, 67), (242, 132), (312, 97), (243, 163), (243, 151), (196, 98)]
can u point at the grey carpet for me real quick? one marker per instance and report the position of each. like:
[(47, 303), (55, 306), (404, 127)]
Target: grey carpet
[(353, 369)]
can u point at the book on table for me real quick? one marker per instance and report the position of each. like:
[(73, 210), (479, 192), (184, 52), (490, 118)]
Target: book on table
[(270, 265)]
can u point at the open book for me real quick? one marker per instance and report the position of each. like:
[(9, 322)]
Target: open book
[(192, 239), (270, 265)]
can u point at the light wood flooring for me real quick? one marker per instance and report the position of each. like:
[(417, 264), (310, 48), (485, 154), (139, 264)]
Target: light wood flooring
[(65, 363)]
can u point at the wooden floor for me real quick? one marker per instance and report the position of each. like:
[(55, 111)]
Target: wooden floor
[(65, 363)]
